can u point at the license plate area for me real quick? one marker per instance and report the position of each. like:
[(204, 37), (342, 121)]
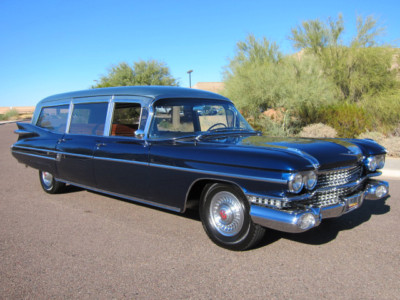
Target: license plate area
[(354, 201)]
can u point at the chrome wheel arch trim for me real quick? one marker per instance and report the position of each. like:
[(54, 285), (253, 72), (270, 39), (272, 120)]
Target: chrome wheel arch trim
[(212, 181)]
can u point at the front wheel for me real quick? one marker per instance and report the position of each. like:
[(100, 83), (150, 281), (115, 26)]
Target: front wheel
[(49, 184), (225, 215)]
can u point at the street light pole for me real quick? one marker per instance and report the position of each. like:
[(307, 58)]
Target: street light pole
[(190, 78)]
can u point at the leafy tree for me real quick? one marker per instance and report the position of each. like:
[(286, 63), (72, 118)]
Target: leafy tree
[(358, 68), (149, 72)]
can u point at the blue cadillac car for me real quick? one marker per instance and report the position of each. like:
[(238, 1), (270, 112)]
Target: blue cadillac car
[(174, 148)]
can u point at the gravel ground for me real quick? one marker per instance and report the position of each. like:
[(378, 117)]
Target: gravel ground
[(86, 245)]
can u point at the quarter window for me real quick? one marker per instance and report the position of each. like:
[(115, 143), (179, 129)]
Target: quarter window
[(126, 119), (88, 118), (54, 118)]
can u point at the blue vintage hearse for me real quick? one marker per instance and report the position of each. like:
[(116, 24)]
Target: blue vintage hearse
[(169, 146)]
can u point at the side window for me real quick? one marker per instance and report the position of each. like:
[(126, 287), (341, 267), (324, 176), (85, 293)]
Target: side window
[(172, 121), (126, 119), (54, 118), (211, 115), (88, 118)]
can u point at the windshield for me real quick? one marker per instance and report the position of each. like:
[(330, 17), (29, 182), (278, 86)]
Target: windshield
[(178, 118)]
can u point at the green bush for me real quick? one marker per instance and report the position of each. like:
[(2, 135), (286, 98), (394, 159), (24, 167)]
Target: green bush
[(259, 77), (349, 119), (385, 109), (270, 127)]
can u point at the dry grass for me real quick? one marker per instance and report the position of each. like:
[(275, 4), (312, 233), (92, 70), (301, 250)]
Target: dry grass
[(318, 130), (14, 115)]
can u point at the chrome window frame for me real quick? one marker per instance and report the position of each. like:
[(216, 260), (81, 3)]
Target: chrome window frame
[(61, 103), (142, 101), (85, 100)]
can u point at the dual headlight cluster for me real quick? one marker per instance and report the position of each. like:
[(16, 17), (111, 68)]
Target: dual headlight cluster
[(374, 163), (305, 179)]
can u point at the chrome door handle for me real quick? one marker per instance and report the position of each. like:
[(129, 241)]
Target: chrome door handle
[(98, 145)]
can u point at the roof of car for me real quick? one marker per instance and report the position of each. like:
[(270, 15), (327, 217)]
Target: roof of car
[(153, 92)]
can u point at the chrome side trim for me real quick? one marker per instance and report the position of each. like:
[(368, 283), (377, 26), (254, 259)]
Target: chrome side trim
[(75, 154), (147, 202), (22, 131), (34, 149), (34, 155), (135, 162), (214, 173), (281, 181)]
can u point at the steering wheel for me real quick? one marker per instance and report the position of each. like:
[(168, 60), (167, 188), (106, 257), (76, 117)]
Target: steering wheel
[(217, 124)]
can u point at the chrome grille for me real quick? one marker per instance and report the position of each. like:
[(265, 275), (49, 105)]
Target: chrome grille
[(327, 198), (332, 180), (339, 176)]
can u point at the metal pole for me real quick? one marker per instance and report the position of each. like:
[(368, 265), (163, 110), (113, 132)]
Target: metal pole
[(190, 78)]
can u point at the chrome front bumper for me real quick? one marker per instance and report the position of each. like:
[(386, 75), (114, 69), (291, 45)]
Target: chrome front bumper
[(303, 220)]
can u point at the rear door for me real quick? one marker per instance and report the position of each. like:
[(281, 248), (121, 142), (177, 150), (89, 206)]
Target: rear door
[(75, 161), (121, 159)]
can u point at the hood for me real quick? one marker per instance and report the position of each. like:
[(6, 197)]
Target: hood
[(322, 153)]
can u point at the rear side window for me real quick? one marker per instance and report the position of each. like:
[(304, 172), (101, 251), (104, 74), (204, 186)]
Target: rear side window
[(88, 118), (126, 119), (54, 118)]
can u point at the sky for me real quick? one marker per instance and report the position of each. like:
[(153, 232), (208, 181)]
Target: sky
[(50, 47)]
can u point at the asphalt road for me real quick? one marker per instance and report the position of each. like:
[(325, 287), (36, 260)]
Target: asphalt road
[(86, 245)]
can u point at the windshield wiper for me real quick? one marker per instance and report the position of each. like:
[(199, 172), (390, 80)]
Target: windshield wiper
[(214, 133), (224, 132), (185, 137), (224, 129)]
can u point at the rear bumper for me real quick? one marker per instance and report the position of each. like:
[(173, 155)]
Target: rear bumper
[(303, 220)]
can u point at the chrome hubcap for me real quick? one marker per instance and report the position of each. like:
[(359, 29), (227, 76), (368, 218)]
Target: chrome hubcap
[(47, 179), (226, 213)]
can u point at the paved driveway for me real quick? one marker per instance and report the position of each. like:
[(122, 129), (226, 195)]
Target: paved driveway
[(82, 245)]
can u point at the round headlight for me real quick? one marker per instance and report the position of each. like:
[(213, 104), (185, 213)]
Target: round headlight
[(296, 183), (380, 161), (371, 163), (310, 180)]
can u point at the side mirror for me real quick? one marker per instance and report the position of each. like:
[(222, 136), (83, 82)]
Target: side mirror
[(139, 134)]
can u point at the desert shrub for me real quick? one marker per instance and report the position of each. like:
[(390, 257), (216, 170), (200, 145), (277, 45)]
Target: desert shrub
[(318, 130), (349, 119), (270, 127), (11, 114), (259, 77), (385, 109)]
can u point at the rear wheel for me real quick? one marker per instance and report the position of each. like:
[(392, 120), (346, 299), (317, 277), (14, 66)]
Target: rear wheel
[(225, 214), (49, 184)]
